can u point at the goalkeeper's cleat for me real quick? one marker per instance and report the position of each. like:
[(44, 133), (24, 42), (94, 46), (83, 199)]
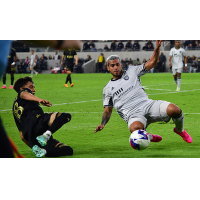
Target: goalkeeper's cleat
[(72, 85), (186, 137), (39, 152), (11, 87), (42, 140), (154, 138), (4, 87), (66, 85)]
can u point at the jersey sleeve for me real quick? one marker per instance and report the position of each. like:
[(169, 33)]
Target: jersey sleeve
[(140, 70), (107, 98)]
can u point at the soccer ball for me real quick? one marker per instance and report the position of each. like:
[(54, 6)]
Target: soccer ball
[(139, 139)]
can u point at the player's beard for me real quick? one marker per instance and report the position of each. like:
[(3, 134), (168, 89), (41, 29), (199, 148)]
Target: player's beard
[(119, 75)]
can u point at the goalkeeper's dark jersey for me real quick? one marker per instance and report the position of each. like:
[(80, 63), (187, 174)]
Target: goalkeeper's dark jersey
[(26, 112)]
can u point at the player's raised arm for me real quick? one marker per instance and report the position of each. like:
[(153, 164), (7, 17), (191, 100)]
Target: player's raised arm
[(105, 118), (154, 58)]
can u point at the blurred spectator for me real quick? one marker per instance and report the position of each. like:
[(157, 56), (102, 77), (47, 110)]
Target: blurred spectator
[(27, 60), (197, 46), (105, 70), (144, 61), (145, 47), (113, 45), (186, 44), (150, 47), (189, 59), (190, 47), (150, 44), (88, 58), (138, 62), (136, 46), (106, 47), (128, 45), (100, 62), (162, 57), (56, 56), (25, 48), (194, 66), (92, 49), (85, 46), (50, 57), (91, 44), (120, 45), (44, 57), (21, 68), (43, 63)]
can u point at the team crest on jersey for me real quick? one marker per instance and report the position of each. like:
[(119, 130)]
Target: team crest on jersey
[(126, 77), (113, 88)]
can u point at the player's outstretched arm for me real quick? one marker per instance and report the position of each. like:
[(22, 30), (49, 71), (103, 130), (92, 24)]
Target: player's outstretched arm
[(154, 58), (105, 118), (29, 97)]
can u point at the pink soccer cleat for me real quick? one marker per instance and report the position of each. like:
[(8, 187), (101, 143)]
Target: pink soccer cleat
[(11, 87), (4, 87), (154, 138), (186, 137)]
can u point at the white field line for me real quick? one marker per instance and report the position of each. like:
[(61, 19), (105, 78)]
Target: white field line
[(102, 99)]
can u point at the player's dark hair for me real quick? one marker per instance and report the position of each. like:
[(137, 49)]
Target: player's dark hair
[(21, 82)]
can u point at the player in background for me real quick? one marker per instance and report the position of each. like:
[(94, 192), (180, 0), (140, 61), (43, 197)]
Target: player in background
[(125, 93), (68, 61), (35, 126), (10, 68), (32, 64), (176, 56), (7, 148)]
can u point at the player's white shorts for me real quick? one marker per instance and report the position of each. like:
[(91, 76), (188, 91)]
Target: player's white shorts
[(155, 113), (179, 70)]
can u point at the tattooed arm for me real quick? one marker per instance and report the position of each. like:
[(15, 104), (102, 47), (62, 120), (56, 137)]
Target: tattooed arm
[(105, 118), (154, 58)]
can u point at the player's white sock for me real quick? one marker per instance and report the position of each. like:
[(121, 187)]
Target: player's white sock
[(179, 122), (47, 134), (32, 73), (178, 82)]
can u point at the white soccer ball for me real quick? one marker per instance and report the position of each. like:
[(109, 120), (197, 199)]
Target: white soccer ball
[(139, 140)]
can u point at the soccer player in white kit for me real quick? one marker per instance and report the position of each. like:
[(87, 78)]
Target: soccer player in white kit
[(32, 63), (176, 56), (125, 93)]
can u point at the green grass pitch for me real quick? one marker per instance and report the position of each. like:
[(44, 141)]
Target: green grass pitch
[(84, 102)]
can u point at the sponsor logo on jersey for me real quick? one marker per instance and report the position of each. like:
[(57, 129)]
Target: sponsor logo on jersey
[(126, 77)]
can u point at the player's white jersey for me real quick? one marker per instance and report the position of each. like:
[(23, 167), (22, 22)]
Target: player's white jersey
[(32, 59), (126, 94), (177, 57)]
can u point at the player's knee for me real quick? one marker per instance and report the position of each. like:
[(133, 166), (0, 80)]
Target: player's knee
[(173, 110), (136, 126), (65, 117), (66, 150)]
